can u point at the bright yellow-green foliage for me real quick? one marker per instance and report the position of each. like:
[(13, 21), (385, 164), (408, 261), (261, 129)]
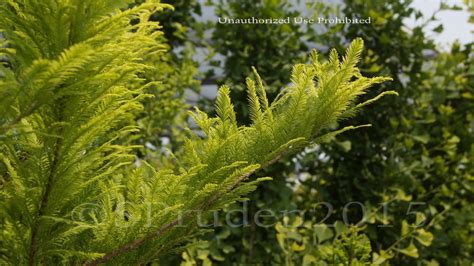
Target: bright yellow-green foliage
[(69, 92)]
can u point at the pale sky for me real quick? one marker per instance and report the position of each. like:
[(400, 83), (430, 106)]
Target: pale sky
[(455, 23)]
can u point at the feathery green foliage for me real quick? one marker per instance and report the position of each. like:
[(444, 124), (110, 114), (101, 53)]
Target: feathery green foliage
[(70, 193)]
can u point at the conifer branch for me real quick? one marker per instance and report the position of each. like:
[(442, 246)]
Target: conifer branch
[(135, 244), (140, 241), (283, 112), (45, 197)]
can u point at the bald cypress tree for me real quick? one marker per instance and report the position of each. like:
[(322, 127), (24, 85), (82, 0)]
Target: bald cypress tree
[(71, 85)]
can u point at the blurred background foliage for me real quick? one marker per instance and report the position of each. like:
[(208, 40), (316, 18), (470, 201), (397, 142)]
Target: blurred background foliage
[(398, 193), (164, 114)]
